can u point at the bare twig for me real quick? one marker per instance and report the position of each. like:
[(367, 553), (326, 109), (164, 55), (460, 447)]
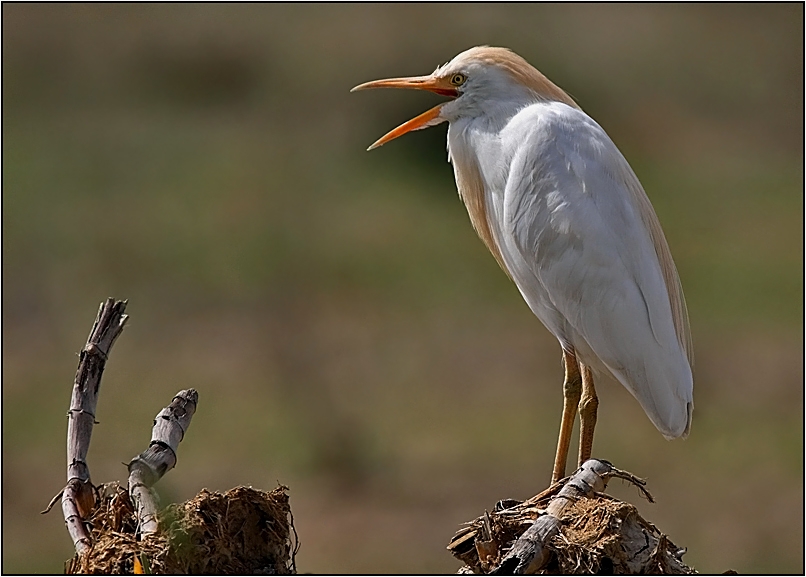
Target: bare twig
[(160, 457), (78, 496), (627, 476)]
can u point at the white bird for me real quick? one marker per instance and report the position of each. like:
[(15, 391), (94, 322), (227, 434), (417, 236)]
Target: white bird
[(566, 218)]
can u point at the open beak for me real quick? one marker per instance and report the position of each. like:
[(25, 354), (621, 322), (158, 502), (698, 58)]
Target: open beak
[(424, 120)]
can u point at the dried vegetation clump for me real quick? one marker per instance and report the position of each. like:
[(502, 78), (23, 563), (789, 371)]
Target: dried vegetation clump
[(599, 535), (243, 531)]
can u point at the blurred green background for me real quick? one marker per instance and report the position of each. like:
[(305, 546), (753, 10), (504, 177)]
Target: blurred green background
[(347, 332)]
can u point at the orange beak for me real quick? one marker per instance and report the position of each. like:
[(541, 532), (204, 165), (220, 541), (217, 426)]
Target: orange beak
[(429, 118)]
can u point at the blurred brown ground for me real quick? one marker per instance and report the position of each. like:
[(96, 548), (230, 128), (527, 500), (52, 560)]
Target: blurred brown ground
[(347, 333)]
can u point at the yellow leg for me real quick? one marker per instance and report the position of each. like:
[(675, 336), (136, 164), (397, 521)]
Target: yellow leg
[(588, 405), (572, 390)]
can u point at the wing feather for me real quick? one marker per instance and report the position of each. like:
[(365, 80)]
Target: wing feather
[(670, 277)]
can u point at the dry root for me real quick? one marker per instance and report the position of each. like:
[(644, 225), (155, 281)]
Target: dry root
[(243, 531)]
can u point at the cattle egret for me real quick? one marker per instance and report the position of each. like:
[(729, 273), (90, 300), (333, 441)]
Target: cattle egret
[(564, 215)]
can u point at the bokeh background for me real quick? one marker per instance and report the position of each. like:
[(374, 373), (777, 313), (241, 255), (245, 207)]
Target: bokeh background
[(347, 332)]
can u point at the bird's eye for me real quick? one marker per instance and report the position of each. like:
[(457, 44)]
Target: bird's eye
[(458, 79)]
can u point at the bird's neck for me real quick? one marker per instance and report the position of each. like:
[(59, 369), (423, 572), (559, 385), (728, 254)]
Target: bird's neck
[(475, 153)]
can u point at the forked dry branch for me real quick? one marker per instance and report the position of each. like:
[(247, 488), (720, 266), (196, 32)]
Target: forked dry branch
[(119, 531)]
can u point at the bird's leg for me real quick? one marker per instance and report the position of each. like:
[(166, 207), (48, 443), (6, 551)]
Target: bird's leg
[(588, 405), (572, 390)]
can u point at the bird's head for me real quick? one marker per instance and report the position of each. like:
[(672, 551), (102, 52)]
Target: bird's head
[(479, 81)]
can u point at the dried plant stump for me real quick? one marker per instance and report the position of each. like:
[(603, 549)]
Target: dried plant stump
[(241, 532), (570, 528)]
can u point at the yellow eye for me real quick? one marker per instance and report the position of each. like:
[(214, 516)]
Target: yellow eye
[(458, 79)]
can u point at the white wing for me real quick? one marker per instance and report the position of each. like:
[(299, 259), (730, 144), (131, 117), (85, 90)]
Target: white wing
[(579, 243)]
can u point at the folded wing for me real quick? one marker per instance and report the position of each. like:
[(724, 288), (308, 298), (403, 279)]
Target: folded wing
[(592, 260)]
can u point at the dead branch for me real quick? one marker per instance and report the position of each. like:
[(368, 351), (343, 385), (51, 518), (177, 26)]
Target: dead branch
[(149, 466), (78, 496)]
